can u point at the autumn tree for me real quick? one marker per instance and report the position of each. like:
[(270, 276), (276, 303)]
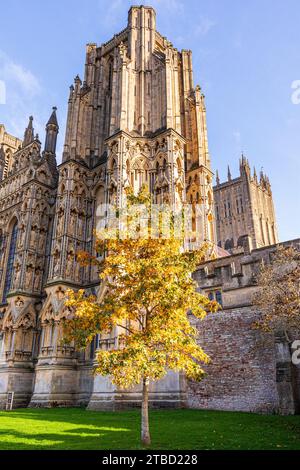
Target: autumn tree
[(148, 293), (278, 294)]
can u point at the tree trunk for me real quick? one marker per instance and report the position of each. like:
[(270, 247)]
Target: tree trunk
[(145, 434)]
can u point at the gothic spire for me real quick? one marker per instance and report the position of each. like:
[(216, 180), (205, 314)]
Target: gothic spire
[(52, 129), (29, 133), (242, 161), (244, 166), (78, 84), (71, 92), (53, 118), (254, 174), (217, 178), (229, 173), (262, 177)]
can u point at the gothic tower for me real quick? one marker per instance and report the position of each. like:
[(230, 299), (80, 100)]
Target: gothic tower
[(136, 118), (245, 211), (138, 112)]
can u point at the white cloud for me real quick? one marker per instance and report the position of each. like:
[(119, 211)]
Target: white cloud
[(204, 25), (16, 75), (111, 15), (22, 89)]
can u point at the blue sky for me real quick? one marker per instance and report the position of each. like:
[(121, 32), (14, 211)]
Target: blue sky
[(246, 55)]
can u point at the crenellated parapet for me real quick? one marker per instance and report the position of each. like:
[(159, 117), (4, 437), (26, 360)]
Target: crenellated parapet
[(233, 277)]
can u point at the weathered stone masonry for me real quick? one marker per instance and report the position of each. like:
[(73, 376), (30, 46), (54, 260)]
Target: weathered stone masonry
[(136, 117), (250, 371)]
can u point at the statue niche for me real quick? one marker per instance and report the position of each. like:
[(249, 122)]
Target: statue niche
[(72, 222), (17, 272), (70, 264), (56, 262), (29, 274), (60, 221), (34, 237), (37, 278)]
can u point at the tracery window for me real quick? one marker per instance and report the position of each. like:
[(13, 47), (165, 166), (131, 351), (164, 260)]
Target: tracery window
[(225, 209), (110, 76), (262, 230), (10, 261), (239, 205), (229, 209)]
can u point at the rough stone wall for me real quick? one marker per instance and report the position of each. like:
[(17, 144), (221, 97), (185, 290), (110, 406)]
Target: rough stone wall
[(250, 370), (242, 372)]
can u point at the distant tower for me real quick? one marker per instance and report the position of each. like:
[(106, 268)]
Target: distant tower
[(245, 210)]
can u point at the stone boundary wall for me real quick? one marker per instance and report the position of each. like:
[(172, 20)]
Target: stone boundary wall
[(249, 371)]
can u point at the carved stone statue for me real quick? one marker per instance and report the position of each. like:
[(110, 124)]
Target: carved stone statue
[(69, 265), (29, 276)]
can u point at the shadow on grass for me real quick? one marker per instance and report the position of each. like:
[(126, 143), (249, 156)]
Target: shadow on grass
[(94, 431), (75, 428), (81, 439)]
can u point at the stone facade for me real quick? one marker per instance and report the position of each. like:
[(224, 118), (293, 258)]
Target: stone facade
[(8, 145), (244, 210), (135, 118)]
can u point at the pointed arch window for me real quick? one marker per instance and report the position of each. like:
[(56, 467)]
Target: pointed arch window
[(110, 76), (10, 261)]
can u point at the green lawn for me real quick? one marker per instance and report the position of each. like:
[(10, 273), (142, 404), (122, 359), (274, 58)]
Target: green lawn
[(74, 428)]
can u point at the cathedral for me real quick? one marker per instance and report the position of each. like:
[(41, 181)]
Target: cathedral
[(135, 118)]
